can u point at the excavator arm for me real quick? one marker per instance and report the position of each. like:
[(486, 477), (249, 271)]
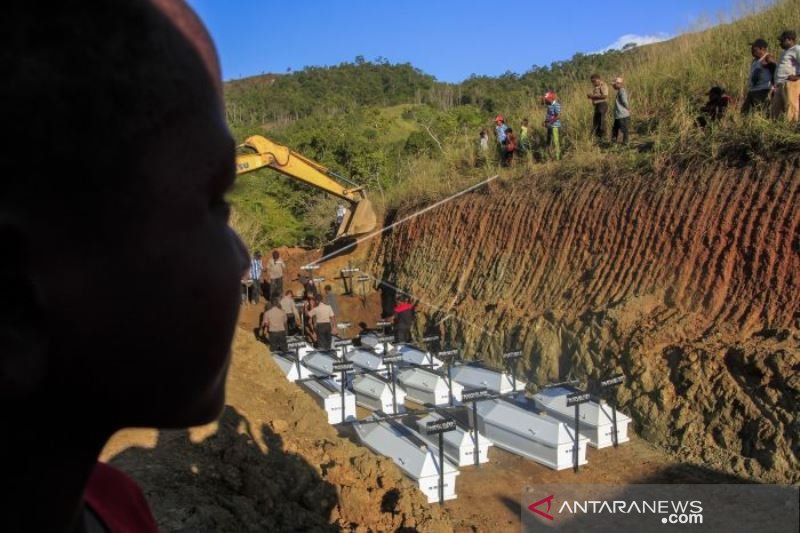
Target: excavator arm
[(259, 152)]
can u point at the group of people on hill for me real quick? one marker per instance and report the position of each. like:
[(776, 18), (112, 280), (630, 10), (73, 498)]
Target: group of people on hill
[(508, 144), (773, 87)]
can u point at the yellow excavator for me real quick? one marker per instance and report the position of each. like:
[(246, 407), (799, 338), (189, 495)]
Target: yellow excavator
[(259, 152)]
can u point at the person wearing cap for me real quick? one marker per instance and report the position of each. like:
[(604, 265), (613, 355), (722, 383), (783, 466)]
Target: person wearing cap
[(552, 121), (622, 112), (599, 98), (759, 84), (500, 130), (786, 91)]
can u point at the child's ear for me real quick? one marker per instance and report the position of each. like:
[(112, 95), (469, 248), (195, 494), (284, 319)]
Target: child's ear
[(22, 331)]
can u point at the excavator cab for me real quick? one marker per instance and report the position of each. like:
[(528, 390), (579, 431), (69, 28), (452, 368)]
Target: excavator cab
[(359, 218), (259, 152)]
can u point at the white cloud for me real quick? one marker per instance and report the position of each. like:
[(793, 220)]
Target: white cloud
[(639, 40)]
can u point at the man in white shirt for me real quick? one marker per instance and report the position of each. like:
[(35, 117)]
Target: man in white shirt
[(786, 96), (276, 268)]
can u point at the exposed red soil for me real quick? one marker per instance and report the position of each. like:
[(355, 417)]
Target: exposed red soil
[(689, 284)]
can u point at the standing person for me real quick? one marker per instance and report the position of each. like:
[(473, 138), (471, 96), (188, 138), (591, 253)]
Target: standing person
[(330, 299), (275, 324), (307, 281), (510, 147), (276, 268), (292, 315), (148, 72), (524, 138), (622, 112), (759, 83), (341, 210), (403, 320), (483, 141), (256, 270), (323, 320), (500, 130), (599, 98), (308, 328), (245, 285), (552, 122), (786, 91), (483, 148)]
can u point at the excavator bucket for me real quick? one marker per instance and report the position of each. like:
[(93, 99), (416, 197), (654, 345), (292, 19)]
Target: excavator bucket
[(360, 218)]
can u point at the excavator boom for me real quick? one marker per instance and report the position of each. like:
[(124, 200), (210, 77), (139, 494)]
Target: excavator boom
[(259, 152)]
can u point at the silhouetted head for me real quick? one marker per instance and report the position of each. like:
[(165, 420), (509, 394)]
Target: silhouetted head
[(132, 325)]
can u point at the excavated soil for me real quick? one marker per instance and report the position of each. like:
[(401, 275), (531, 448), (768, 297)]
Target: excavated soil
[(689, 284), (272, 463)]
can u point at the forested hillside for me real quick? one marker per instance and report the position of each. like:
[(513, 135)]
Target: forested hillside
[(410, 138)]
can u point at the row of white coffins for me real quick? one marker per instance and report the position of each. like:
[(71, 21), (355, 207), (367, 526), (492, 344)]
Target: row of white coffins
[(430, 387), (540, 429)]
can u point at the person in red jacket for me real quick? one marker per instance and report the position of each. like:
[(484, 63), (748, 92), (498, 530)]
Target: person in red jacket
[(131, 325), (404, 313)]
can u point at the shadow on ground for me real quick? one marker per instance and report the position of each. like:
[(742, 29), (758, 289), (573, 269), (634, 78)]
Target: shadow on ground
[(227, 483)]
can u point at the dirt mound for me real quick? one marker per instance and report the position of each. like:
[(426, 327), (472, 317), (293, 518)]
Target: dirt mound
[(272, 463), (689, 284)]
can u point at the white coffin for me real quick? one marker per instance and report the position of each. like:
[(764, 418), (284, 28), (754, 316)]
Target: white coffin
[(459, 447), (366, 359), (596, 419), (321, 365), (370, 340), (414, 356), (289, 368), (427, 387), (375, 393), (476, 377), (327, 394), (412, 455), (538, 437)]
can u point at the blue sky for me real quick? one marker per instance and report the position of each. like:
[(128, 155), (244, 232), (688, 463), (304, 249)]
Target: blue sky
[(446, 38)]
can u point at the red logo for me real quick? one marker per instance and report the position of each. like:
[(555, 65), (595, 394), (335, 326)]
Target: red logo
[(533, 507)]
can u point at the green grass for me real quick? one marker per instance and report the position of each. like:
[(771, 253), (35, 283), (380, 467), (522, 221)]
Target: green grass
[(420, 150)]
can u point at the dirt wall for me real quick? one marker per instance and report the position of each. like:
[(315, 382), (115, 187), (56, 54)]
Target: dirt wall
[(688, 283)]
